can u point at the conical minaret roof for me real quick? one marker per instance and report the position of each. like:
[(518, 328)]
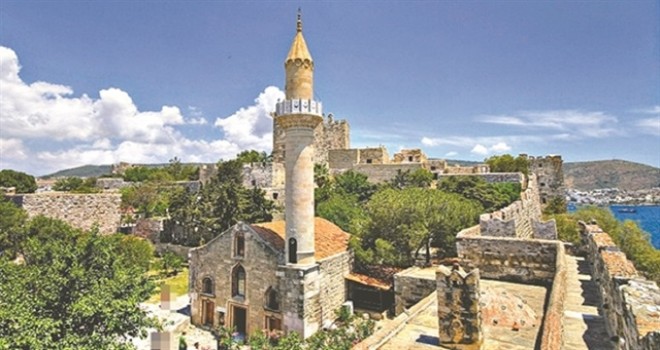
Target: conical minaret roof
[(299, 46)]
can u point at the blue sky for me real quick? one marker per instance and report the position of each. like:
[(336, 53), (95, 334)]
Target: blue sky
[(103, 82)]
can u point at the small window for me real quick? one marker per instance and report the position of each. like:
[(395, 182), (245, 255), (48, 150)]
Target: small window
[(410, 158), (207, 286), (273, 324), (433, 168), (275, 195), (293, 251), (239, 244), (238, 282), (272, 299), (254, 182), (368, 161), (542, 184)]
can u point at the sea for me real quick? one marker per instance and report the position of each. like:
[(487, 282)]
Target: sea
[(646, 216)]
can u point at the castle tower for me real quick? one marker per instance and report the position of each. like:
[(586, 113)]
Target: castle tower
[(298, 115)]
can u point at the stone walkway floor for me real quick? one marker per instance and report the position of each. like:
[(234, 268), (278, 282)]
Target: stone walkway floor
[(584, 327)]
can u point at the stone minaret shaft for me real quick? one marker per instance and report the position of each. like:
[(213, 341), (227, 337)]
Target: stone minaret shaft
[(298, 115)]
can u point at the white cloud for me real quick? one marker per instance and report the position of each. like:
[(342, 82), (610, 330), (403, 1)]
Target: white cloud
[(83, 130), (649, 125), (479, 149), (577, 123), (12, 149), (500, 147), (451, 154), (252, 127)]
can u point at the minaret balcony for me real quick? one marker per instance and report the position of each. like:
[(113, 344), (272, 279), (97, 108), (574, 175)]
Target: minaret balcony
[(298, 106)]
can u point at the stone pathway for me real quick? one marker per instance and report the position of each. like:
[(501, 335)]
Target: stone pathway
[(584, 328)]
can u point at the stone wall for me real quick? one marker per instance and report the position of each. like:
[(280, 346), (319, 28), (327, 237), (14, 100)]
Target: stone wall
[(516, 220), (263, 175), (509, 259), (83, 211), (550, 174), (489, 177), (343, 158), (333, 287), (328, 135), (466, 170), (411, 286), (552, 334), (378, 173), (112, 183), (376, 155), (410, 156), (631, 304)]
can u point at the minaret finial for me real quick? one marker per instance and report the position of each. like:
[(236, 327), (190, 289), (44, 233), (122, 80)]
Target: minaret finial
[(299, 23)]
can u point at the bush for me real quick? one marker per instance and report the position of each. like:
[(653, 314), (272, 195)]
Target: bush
[(23, 182), (171, 264)]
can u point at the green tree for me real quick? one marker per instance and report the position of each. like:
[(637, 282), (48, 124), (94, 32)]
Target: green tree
[(402, 222), (252, 156), (506, 163), (343, 210), (491, 196), (221, 203), (81, 291), (76, 185), (556, 205), (23, 182), (12, 227), (418, 178), (355, 183), (171, 264)]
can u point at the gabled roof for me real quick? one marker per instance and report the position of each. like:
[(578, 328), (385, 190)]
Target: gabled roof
[(329, 239)]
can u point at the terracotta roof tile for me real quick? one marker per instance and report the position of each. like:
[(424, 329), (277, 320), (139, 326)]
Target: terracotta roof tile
[(368, 281), (329, 239)]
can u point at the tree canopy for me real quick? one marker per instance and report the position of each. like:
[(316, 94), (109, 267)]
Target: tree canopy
[(506, 163), (221, 203), (491, 196), (23, 182), (70, 289), (76, 185)]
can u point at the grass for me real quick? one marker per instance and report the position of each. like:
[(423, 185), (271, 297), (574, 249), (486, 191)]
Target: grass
[(178, 285)]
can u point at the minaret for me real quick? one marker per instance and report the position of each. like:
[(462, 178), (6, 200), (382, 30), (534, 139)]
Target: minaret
[(298, 115)]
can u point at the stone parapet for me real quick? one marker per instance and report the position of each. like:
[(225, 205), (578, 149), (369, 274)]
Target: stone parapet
[(552, 334), (83, 211), (459, 311), (411, 286), (631, 304), (510, 259)]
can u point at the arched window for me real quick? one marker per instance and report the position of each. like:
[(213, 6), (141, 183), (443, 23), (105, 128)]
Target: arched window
[(207, 286), (239, 244), (238, 281), (272, 299), (293, 251)]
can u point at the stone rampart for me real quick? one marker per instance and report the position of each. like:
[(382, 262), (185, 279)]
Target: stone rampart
[(552, 334), (509, 259), (517, 219), (263, 175), (411, 286), (378, 173), (631, 304), (489, 177), (83, 211)]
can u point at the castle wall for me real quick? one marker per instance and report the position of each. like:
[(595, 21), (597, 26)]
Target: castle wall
[(509, 259), (411, 286), (517, 219), (410, 156), (343, 158), (550, 175), (329, 135), (377, 173), (84, 210), (552, 334), (630, 302), (489, 177), (376, 155)]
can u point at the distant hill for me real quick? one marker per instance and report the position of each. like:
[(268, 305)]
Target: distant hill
[(610, 173), (82, 171)]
